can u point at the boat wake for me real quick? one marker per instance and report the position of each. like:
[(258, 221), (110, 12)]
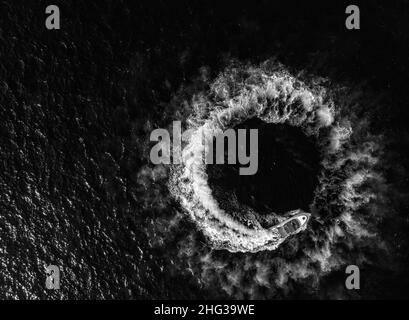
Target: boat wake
[(275, 97), (224, 242)]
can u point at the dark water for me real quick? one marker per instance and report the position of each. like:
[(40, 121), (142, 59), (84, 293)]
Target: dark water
[(77, 105), (287, 173)]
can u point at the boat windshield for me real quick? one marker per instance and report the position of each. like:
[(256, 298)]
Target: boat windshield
[(292, 226)]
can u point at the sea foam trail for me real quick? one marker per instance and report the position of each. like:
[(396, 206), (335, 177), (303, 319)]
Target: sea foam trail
[(275, 97), (348, 202)]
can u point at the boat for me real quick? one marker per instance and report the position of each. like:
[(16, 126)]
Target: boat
[(293, 225)]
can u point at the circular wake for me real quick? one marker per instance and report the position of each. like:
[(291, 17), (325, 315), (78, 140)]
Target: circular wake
[(274, 96)]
